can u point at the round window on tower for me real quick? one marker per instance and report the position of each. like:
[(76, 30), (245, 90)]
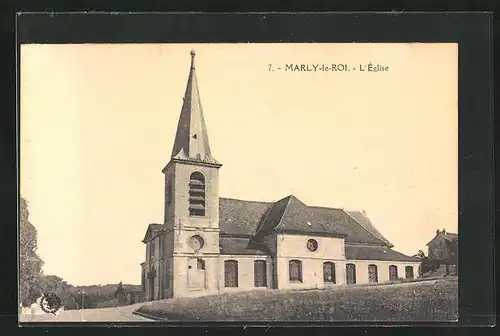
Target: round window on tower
[(196, 242), (312, 245)]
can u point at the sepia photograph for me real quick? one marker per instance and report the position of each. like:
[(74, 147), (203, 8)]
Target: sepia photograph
[(238, 182)]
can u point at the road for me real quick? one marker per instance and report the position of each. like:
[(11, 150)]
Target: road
[(118, 314)]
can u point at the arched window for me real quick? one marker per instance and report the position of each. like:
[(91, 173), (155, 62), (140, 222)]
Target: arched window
[(230, 273), (295, 270), (372, 273), (409, 272), (329, 272), (393, 273), (197, 194), (350, 273), (260, 273)]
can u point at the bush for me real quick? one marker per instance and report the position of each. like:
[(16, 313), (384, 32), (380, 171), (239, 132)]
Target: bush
[(429, 265), (418, 301)]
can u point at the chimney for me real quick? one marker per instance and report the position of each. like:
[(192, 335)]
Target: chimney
[(437, 231), (444, 231)]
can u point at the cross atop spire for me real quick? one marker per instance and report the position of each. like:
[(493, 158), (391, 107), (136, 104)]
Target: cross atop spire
[(191, 141), (193, 55)]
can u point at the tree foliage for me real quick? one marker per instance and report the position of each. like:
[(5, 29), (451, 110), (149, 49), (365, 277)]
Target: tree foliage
[(33, 283), (30, 264), (120, 294), (420, 255), (53, 284)]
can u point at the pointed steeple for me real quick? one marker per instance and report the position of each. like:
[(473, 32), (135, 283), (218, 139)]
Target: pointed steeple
[(191, 141)]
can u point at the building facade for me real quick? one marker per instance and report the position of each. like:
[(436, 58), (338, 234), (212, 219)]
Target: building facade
[(443, 247), (209, 244)]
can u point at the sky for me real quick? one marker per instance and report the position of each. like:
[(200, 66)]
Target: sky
[(98, 123)]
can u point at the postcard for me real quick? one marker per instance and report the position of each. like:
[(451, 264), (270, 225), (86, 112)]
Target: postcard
[(238, 182)]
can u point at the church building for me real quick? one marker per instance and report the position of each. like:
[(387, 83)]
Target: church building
[(208, 244)]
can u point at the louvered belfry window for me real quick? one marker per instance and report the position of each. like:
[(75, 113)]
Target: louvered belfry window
[(197, 194)]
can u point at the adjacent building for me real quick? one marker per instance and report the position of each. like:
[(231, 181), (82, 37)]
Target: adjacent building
[(208, 244), (443, 248)]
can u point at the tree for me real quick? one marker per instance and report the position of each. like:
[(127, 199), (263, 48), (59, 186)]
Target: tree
[(30, 264), (53, 284), (120, 294), (420, 255)]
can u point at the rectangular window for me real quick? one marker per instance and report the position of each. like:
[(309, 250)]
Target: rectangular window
[(295, 270), (230, 273), (329, 272), (372, 273), (409, 272), (350, 274), (393, 273), (260, 273)]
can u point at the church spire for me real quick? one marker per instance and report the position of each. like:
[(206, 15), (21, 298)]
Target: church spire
[(191, 141)]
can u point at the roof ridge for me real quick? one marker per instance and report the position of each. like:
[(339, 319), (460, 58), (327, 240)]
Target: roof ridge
[(324, 207), (362, 226), (263, 222), (242, 200), (369, 224), (284, 211)]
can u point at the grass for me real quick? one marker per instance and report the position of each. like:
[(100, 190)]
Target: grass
[(435, 300)]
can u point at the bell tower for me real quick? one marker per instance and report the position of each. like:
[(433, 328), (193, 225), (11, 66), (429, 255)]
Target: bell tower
[(192, 202)]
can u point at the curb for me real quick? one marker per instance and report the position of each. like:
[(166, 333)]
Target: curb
[(151, 317)]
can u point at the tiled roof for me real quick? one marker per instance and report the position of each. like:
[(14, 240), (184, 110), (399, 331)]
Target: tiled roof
[(291, 215), (240, 217), (191, 140), (239, 246), (361, 252), (450, 236), (273, 216), (365, 222)]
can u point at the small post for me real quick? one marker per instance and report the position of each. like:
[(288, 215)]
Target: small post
[(83, 298)]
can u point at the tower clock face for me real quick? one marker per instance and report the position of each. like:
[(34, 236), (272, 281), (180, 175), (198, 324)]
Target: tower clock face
[(196, 242), (312, 245)]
